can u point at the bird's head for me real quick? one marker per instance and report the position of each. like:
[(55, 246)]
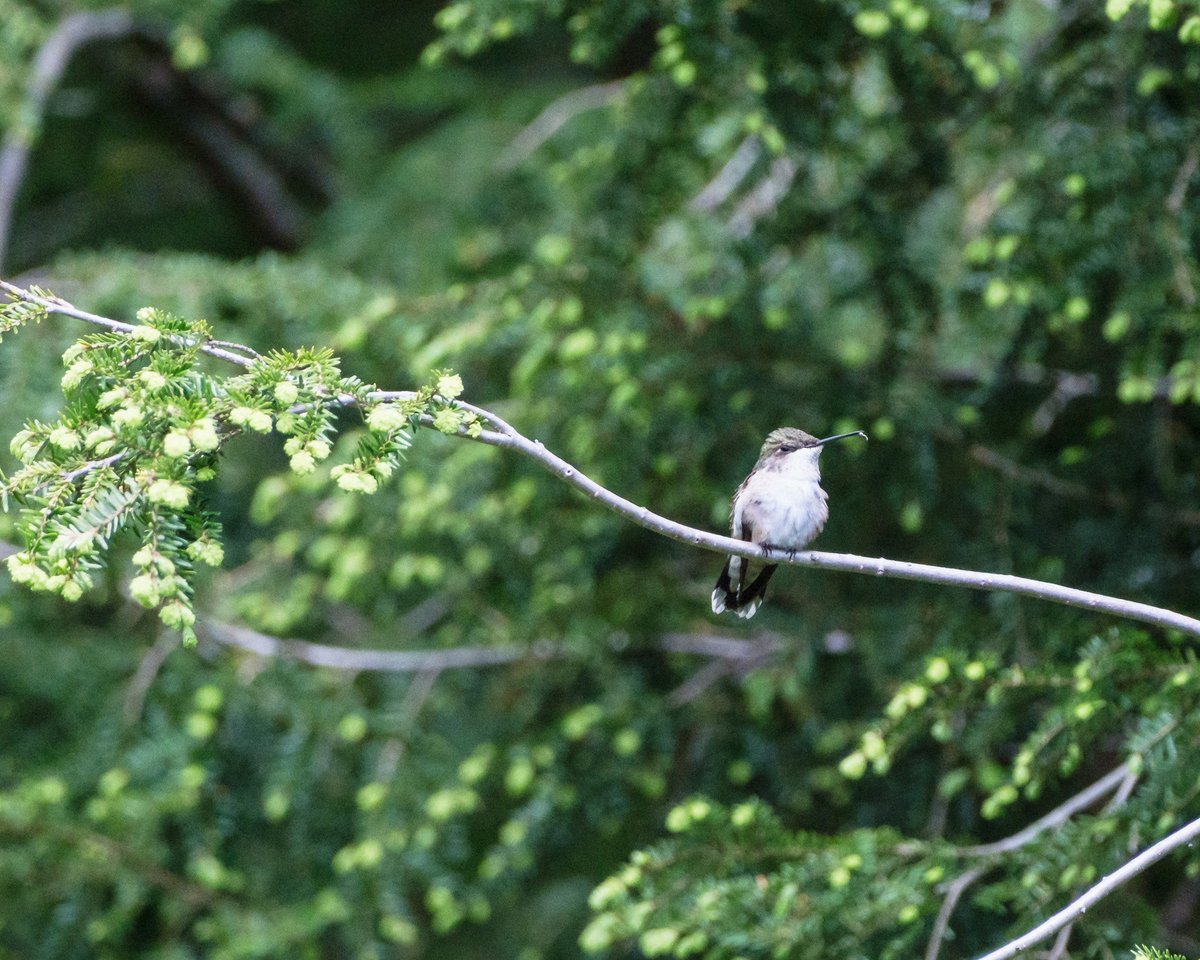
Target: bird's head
[(787, 440)]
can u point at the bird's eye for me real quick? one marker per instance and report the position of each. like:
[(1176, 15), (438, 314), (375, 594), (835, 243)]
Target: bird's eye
[(788, 448)]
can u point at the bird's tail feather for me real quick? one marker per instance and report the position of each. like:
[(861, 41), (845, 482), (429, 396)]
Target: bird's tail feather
[(744, 602), (723, 592)]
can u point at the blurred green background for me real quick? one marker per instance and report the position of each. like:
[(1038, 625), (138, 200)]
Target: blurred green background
[(645, 233)]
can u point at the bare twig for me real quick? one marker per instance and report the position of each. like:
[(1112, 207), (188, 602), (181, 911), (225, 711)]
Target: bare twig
[(1183, 280), (731, 656), (898, 569), (104, 848), (1067, 489), (1055, 818), (1059, 950), (1180, 252), (230, 345), (147, 670), (941, 924), (763, 646), (91, 465), (1044, 480), (71, 34), (504, 436), (1124, 790), (731, 651), (554, 117), (695, 686), (764, 198), (419, 692), (1120, 779), (1070, 386), (1077, 908), (425, 614), (344, 658), (1033, 374), (718, 189), (1183, 177)]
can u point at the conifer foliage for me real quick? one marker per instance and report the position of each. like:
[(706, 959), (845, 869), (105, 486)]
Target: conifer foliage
[(430, 701)]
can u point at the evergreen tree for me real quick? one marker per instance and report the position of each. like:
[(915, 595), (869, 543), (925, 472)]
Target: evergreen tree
[(320, 659)]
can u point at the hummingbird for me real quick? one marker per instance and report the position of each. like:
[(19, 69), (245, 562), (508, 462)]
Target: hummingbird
[(781, 504)]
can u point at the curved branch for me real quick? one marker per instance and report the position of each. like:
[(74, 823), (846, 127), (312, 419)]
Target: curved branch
[(941, 923), (236, 160), (507, 437), (1059, 815), (1073, 911), (1121, 780), (554, 117), (899, 569), (51, 61)]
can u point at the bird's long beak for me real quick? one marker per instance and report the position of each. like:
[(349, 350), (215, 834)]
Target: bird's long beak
[(842, 436)]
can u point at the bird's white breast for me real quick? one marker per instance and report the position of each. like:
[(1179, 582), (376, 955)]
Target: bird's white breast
[(782, 503)]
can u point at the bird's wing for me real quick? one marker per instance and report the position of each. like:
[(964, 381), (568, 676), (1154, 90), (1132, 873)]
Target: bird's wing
[(737, 510), (741, 527)]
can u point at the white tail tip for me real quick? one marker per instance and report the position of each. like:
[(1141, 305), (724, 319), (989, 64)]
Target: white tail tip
[(749, 609)]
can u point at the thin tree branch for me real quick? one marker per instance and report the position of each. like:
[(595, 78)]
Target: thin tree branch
[(1055, 818), (1077, 908), (1070, 386), (418, 694), (1033, 374), (1045, 480), (51, 61), (941, 923), (345, 658), (92, 465), (554, 117), (727, 649), (732, 651), (143, 678), (1059, 950), (731, 656), (61, 307), (230, 345), (193, 894), (764, 197), (508, 438), (1180, 248), (694, 687), (722, 648), (1124, 790), (1120, 779), (902, 570), (240, 158), (718, 189), (1183, 177)]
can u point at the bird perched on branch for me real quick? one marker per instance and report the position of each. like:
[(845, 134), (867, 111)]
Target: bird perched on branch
[(781, 504)]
